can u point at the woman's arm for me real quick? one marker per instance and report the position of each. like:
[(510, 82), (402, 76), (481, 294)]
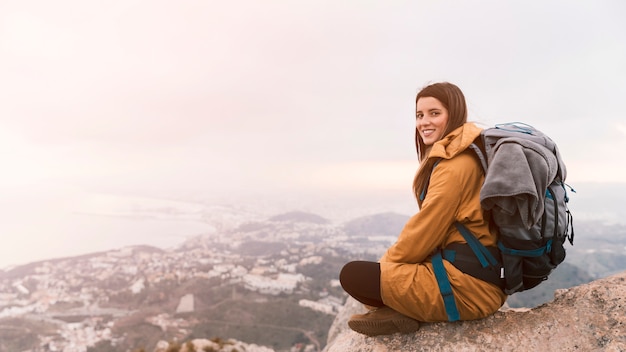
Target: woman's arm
[(429, 228)]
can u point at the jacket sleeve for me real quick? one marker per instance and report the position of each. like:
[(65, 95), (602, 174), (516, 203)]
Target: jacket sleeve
[(429, 228)]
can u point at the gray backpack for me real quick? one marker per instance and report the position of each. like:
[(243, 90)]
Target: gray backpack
[(524, 190), (524, 194)]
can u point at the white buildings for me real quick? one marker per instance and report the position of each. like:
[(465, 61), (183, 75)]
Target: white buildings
[(186, 304), (317, 306), (328, 305), (283, 283)]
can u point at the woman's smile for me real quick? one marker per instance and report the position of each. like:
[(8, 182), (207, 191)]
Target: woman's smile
[(431, 119)]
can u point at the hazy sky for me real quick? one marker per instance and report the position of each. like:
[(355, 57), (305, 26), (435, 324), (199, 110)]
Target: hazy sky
[(159, 97)]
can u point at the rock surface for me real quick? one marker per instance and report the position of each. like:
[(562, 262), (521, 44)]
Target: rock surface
[(590, 317)]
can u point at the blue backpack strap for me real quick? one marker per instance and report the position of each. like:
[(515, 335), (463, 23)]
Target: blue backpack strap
[(526, 252), (441, 275), (444, 286), (482, 253), (423, 194), (484, 257)]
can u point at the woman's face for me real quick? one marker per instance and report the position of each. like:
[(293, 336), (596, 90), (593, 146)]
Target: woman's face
[(431, 119)]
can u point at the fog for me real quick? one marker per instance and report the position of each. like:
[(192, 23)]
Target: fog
[(277, 105)]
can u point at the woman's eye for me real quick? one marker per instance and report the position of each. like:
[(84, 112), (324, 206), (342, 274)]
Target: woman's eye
[(436, 113), (419, 116)]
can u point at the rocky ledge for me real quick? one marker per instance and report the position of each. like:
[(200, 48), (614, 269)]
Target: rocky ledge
[(590, 317)]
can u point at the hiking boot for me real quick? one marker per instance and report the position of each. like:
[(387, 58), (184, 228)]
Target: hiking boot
[(382, 321)]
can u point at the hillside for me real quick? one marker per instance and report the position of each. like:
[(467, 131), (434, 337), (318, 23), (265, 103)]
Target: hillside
[(389, 224), (272, 283)]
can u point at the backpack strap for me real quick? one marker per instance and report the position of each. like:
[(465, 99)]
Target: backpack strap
[(423, 194), (463, 258), (440, 272), (480, 152), (528, 253), (444, 287), (490, 270), (482, 253), (484, 256)]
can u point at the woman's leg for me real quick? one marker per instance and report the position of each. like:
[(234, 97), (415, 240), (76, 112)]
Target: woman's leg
[(361, 280)]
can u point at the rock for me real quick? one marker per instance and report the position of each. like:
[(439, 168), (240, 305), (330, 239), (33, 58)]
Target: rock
[(590, 317)]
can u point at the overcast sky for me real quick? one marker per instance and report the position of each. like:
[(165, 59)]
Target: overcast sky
[(159, 97)]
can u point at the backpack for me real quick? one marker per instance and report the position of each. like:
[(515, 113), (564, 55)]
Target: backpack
[(525, 195)]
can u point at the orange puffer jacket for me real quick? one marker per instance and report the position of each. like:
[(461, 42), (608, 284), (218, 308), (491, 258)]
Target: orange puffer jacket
[(408, 282)]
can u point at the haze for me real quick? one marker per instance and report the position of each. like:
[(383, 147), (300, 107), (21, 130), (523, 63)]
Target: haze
[(218, 100)]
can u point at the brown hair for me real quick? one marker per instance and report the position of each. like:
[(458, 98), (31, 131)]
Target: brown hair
[(453, 100)]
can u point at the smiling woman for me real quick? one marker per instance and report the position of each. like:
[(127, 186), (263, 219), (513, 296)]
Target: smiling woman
[(403, 288)]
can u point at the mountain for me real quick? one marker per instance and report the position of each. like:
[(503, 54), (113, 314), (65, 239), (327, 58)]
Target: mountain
[(383, 224), (300, 216)]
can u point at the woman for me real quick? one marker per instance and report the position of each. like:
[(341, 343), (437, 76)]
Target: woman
[(402, 290)]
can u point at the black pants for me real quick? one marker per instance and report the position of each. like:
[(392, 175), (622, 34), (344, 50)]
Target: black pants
[(361, 280)]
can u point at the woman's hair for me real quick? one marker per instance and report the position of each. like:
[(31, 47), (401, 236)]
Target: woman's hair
[(453, 100)]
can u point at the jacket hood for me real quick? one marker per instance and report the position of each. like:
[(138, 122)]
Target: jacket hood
[(455, 142)]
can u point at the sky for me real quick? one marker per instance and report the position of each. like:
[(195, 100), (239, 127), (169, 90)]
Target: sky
[(198, 98)]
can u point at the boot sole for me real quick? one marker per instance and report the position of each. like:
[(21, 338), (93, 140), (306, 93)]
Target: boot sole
[(371, 328)]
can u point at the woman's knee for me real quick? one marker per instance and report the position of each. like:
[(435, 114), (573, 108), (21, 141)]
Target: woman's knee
[(345, 273), (355, 272)]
